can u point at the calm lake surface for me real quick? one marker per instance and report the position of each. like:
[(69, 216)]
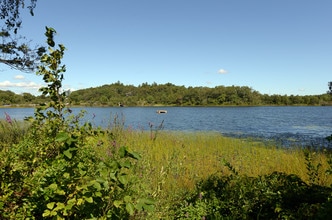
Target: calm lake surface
[(287, 125)]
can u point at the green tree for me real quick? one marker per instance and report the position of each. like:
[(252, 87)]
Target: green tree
[(15, 49), (27, 97), (7, 97)]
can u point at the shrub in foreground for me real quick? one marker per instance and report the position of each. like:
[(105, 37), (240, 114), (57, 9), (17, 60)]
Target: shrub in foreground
[(55, 172), (273, 196)]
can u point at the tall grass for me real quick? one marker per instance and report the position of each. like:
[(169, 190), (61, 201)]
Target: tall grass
[(174, 162), (11, 132), (189, 156)]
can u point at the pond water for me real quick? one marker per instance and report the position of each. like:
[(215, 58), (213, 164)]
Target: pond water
[(287, 125)]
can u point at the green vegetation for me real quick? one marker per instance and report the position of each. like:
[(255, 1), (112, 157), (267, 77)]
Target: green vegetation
[(56, 167), (55, 172), (16, 51), (172, 175), (9, 98), (168, 95), (196, 175), (12, 131)]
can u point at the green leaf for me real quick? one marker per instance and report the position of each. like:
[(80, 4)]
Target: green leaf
[(123, 179), (88, 199), (146, 204), (97, 186), (53, 186), (147, 201), (130, 208), (134, 155), (127, 199), (106, 185), (80, 201), (113, 177), (66, 175), (68, 154), (60, 206), (117, 203), (62, 137), (98, 194), (148, 207), (126, 164), (82, 172), (47, 213), (122, 151), (61, 192), (50, 205), (139, 206), (92, 182), (71, 201), (114, 165)]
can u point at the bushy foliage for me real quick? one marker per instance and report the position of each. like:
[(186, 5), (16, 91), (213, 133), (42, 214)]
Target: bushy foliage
[(15, 50), (170, 94), (273, 196), (55, 171)]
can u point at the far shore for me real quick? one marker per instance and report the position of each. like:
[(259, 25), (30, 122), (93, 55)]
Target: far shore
[(156, 105)]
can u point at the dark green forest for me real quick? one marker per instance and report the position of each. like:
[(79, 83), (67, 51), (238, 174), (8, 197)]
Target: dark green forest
[(25, 99), (172, 95), (169, 95)]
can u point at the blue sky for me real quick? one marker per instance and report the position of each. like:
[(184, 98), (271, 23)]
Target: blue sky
[(273, 46)]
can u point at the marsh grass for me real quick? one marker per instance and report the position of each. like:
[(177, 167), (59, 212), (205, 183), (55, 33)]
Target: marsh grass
[(188, 156), (173, 163), (11, 131)]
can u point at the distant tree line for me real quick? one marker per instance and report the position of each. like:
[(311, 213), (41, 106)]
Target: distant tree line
[(168, 94), (11, 98)]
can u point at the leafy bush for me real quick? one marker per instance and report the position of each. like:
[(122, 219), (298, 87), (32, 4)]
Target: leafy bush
[(55, 171), (273, 196)]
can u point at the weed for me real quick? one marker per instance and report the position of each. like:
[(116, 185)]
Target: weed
[(11, 132), (54, 172), (154, 131)]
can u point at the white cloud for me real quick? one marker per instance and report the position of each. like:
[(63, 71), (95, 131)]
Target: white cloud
[(19, 77), (29, 85), (21, 87), (222, 71), (20, 84)]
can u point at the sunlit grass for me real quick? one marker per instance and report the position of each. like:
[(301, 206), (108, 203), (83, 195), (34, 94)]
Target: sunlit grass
[(193, 156), (174, 162), (11, 132)]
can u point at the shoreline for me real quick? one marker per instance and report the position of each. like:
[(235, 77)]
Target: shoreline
[(129, 106)]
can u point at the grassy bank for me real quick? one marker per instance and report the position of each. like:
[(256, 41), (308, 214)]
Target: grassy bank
[(176, 169), (174, 163), (199, 154)]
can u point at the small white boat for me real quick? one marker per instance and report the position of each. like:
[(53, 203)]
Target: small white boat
[(161, 111)]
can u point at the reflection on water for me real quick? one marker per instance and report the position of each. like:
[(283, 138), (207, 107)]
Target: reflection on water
[(286, 125)]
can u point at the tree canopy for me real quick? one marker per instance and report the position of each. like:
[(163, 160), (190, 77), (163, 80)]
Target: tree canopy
[(172, 95), (15, 49)]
